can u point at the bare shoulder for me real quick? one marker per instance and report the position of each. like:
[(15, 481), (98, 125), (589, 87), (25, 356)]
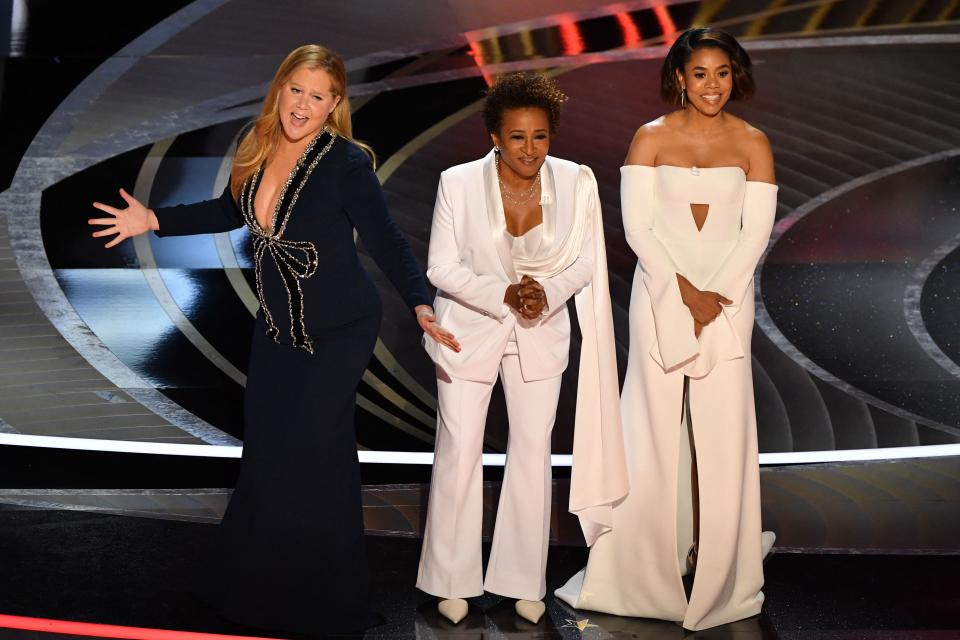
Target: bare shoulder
[(760, 154), (646, 142)]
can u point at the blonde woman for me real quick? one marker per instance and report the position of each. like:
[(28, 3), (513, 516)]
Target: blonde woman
[(292, 555)]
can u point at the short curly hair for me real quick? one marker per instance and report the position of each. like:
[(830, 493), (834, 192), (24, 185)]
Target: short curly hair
[(519, 91)]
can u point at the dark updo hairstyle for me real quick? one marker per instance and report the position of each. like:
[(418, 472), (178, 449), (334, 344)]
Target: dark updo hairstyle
[(519, 91), (698, 38)]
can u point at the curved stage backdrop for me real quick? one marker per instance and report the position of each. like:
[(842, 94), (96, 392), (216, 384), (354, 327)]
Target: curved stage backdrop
[(857, 344)]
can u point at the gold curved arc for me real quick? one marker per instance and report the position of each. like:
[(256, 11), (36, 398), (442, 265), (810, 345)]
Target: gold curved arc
[(396, 399), (392, 420)]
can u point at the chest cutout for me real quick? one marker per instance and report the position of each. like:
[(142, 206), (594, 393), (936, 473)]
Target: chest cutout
[(699, 212)]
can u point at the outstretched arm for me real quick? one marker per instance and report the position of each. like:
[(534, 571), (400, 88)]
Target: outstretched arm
[(209, 216)]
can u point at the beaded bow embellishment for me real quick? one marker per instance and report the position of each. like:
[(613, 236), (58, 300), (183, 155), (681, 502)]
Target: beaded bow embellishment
[(295, 260)]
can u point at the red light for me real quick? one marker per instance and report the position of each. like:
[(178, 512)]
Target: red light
[(666, 23), (631, 33), (90, 629), (476, 52), (572, 40)]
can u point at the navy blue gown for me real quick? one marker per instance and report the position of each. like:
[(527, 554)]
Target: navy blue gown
[(292, 554)]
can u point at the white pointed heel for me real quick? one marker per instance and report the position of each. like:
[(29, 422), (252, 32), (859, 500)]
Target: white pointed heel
[(531, 610), (454, 609), (767, 538)]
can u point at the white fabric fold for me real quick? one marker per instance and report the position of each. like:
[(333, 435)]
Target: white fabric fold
[(676, 346), (599, 474)]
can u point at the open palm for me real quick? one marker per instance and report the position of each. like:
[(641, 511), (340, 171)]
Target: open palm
[(132, 221)]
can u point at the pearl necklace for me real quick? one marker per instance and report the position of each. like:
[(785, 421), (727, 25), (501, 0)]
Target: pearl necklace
[(521, 198)]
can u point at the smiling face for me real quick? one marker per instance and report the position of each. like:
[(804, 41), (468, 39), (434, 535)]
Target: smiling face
[(306, 99), (708, 78), (524, 140)]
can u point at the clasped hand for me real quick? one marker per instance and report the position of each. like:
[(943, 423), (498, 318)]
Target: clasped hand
[(704, 306), (528, 298)]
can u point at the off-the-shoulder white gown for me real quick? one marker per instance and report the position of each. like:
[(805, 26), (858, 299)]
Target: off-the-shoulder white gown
[(636, 568)]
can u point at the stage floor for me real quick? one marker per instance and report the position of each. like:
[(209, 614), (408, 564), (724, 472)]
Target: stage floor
[(141, 573)]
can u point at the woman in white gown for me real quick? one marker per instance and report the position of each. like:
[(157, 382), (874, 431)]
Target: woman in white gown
[(698, 199)]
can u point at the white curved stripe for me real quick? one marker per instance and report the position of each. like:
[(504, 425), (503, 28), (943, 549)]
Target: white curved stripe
[(911, 306), (222, 241), (151, 271), (426, 458)]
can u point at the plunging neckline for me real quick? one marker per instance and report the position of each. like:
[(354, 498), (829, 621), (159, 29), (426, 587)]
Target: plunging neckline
[(272, 220), (539, 224), (272, 229)]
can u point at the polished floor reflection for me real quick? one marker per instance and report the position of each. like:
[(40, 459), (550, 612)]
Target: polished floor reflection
[(138, 572)]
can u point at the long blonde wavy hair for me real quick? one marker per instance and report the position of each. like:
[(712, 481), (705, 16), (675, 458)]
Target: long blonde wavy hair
[(262, 140)]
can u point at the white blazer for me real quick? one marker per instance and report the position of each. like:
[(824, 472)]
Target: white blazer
[(471, 265)]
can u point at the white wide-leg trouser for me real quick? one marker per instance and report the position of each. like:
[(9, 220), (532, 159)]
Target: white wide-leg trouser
[(450, 563)]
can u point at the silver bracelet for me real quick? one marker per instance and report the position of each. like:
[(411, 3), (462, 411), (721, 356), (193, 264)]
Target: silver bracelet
[(424, 312)]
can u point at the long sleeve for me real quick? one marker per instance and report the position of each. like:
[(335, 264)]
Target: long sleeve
[(362, 198), (445, 268), (718, 340), (561, 286), (676, 343), (735, 275), (208, 216)]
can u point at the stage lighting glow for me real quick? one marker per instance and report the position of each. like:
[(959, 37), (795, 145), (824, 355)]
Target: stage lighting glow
[(93, 630), (572, 40), (631, 32), (666, 23), (18, 28)]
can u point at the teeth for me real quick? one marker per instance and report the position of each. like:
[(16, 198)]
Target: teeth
[(296, 117)]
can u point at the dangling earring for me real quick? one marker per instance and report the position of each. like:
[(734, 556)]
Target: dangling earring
[(496, 149), (683, 97)]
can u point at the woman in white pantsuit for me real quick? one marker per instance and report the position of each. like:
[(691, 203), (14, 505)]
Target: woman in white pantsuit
[(515, 235), (698, 199)]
